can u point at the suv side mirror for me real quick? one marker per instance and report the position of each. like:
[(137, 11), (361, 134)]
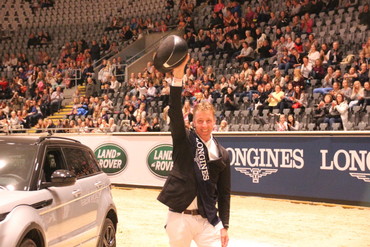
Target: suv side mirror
[(60, 178)]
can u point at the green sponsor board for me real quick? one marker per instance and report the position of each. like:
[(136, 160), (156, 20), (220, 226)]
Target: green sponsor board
[(111, 157), (159, 160)]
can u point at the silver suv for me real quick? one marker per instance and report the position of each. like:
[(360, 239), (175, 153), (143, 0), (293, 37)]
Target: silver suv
[(53, 193)]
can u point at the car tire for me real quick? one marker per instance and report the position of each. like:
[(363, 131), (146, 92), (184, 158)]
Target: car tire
[(27, 242), (107, 236)]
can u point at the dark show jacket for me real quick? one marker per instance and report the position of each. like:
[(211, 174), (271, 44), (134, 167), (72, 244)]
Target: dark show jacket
[(181, 186)]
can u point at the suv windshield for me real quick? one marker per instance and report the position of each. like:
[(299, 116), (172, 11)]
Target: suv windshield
[(16, 162)]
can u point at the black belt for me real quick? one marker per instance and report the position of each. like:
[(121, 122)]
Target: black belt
[(186, 211)]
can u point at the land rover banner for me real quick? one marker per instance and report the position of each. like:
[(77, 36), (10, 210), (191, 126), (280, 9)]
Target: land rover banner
[(111, 158)]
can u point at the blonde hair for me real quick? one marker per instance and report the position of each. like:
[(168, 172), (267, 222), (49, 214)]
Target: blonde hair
[(204, 106)]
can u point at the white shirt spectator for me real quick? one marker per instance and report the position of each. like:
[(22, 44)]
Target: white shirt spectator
[(114, 84)]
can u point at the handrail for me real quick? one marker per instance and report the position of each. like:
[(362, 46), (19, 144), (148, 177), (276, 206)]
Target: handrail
[(149, 48), (110, 54), (123, 65), (51, 131), (97, 65), (107, 55), (78, 77)]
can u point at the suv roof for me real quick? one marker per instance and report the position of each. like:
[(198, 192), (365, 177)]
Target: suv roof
[(35, 139)]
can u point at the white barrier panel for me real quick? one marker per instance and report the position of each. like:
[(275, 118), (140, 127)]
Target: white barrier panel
[(126, 158)]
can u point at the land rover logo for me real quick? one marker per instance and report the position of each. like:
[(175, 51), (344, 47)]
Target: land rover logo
[(160, 161), (111, 157)]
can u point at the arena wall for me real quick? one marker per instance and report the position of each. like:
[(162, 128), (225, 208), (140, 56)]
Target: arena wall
[(297, 165)]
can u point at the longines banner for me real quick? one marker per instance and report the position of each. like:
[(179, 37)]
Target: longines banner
[(335, 168), (320, 168)]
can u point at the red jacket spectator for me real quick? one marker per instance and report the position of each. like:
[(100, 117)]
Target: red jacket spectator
[(4, 84)]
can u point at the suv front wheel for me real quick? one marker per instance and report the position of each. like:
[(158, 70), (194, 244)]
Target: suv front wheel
[(108, 234)]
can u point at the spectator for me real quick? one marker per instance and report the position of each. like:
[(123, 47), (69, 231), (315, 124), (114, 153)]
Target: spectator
[(283, 20), (324, 53), (46, 102), (336, 89), (346, 90), (335, 56), (33, 114), (364, 15), (363, 74), (307, 23), (296, 8), (94, 51), (260, 37), (14, 121), (257, 68), (154, 125), (278, 79), (114, 85), (306, 69), (16, 101), (224, 126), (273, 21), (265, 50), (327, 82), (22, 115), (32, 40), (321, 111), (246, 53), (318, 71), (300, 99), (112, 125), (294, 60), (273, 100), (229, 103), (366, 98), (287, 98), (249, 14), (249, 39), (298, 45), (340, 105), (282, 124), (39, 126), (187, 111), (298, 78), (56, 100), (90, 88), (140, 111), (142, 126), (49, 125), (357, 94), (351, 76), (313, 55), (165, 94), (292, 123)]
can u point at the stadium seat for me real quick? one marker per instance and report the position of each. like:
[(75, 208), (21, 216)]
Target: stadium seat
[(311, 126), (323, 126), (336, 126)]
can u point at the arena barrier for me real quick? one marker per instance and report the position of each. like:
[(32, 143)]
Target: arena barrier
[(315, 166)]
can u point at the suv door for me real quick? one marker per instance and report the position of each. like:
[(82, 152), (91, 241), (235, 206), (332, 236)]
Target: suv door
[(91, 181), (60, 217)]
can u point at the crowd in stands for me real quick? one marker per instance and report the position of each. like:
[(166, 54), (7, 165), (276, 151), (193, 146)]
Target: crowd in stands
[(280, 75), (37, 4), (33, 82), (247, 60)]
